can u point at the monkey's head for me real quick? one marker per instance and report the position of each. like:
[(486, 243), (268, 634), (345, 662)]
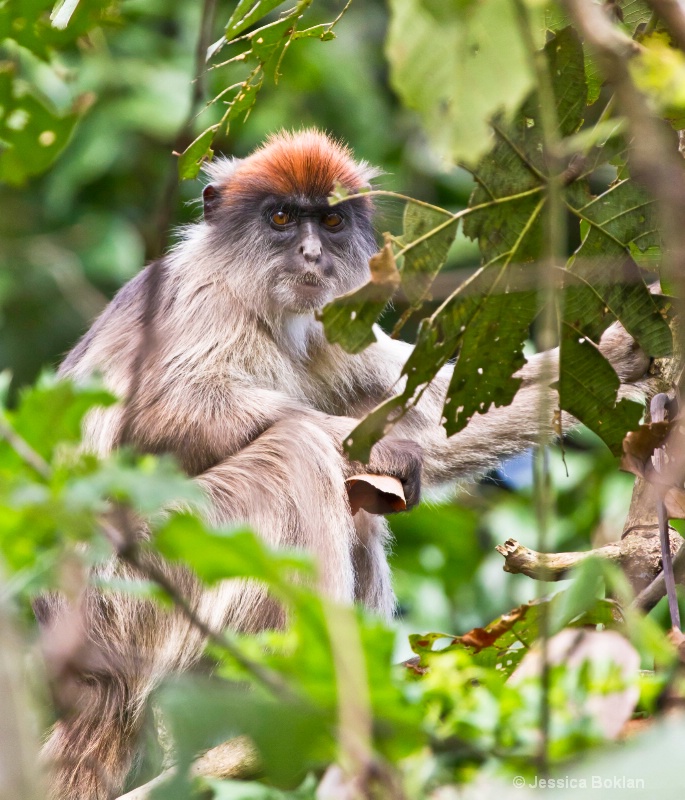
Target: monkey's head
[(269, 214)]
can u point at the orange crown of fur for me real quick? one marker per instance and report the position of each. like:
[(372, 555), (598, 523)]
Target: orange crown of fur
[(308, 163)]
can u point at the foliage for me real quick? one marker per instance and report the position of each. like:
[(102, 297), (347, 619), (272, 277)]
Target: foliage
[(93, 98)]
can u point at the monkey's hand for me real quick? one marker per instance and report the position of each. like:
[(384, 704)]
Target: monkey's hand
[(402, 459), (625, 354)]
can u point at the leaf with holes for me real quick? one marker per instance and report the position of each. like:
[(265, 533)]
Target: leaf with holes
[(513, 174), (623, 216), (588, 386), (32, 134), (502, 321)]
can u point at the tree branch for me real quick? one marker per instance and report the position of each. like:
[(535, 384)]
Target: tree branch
[(638, 554)]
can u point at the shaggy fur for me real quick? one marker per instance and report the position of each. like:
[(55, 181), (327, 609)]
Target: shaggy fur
[(245, 390)]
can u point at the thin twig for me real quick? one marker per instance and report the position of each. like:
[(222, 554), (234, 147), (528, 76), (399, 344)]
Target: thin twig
[(651, 594), (24, 450), (658, 412), (547, 333)]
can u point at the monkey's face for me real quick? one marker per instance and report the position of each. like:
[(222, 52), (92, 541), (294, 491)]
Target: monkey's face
[(319, 251)]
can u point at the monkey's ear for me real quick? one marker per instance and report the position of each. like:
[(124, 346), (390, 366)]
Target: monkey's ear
[(210, 199)]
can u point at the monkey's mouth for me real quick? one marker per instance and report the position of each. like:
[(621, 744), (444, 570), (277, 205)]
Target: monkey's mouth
[(310, 280), (309, 286), (305, 291)]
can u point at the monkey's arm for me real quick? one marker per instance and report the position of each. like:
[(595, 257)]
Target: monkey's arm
[(500, 432)]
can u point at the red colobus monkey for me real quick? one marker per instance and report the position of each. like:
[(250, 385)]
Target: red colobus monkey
[(244, 389)]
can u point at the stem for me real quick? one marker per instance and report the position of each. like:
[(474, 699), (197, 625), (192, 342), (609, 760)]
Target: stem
[(547, 333), (24, 450)]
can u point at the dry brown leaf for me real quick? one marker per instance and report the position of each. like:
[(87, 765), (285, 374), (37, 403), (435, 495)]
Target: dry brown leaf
[(480, 638), (383, 267), (674, 499), (376, 494), (639, 446)]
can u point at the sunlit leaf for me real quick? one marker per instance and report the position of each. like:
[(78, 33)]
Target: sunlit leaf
[(218, 555), (502, 643), (457, 64), (246, 13), (32, 134)]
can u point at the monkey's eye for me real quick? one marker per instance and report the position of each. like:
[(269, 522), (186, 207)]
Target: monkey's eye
[(280, 218), (333, 221)]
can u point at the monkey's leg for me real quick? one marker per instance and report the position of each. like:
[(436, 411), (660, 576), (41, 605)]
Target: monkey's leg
[(373, 584), (289, 485), (128, 646)]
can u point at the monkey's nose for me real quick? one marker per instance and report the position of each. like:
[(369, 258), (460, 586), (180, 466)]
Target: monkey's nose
[(310, 249)]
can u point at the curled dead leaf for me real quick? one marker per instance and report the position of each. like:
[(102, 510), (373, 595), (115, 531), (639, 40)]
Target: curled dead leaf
[(639, 447), (376, 494), (480, 638), (383, 268)]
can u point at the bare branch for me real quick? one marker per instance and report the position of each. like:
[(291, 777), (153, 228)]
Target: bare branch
[(185, 133), (650, 595), (638, 553)]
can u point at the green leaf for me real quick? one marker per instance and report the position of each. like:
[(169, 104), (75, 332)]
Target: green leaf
[(291, 736), (502, 322), (423, 260), (588, 384), (244, 790), (218, 555), (147, 483), (32, 134), (197, 152), (246, 13), (514, 172), (659, 71), (449, 529), (457, 63), (28, 22), (475, 303), (623, 216), (348, 320), (52, 412), (502, 643), (580, 598)]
